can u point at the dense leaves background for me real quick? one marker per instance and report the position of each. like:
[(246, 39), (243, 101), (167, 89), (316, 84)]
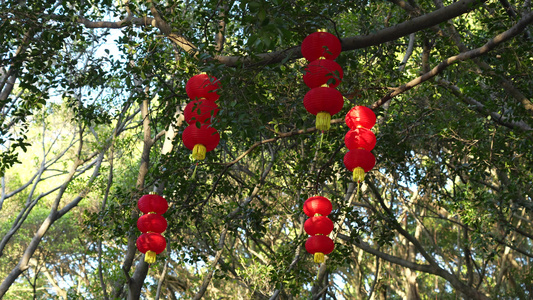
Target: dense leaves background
[(91, 95)]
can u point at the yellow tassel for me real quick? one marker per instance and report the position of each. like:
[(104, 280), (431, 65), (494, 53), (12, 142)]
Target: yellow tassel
[(323, 120), (358, 174), (319, 257), (149, 257), (198, 152)]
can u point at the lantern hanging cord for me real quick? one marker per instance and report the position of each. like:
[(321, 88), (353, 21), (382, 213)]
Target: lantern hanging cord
[(194, 172), (358, 196)]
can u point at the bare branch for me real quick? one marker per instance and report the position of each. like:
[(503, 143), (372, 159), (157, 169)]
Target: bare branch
[(408, 52), (52, 217), (207, 279)]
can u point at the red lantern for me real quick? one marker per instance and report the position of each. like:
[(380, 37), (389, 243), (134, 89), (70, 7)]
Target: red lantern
[(360, 138), (323, 102), (202, 86), (359, 161), (322, 71), (318, 225), (360, 116), (152, 203), (319, 245), (321, 44), (151, 244), (152, 223), (200, 140), (317, 205), (200, 110)]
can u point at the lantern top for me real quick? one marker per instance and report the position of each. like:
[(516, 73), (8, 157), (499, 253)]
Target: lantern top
[(321, 44)]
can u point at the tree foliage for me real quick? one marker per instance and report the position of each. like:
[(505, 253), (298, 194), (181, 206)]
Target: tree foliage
[(92, 94)]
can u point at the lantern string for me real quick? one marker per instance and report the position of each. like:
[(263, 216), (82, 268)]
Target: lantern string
[(321, 138), (358, 190), (194, 172)]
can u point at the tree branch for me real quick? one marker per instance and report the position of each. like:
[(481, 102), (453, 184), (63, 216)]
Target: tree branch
[(207, 279), (490, 45), (496, 117), (352, 43), (391, 258), (390, 218), (357, 42)]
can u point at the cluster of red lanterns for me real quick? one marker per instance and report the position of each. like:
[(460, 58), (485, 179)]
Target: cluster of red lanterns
[(200, 136), (318, 226), (152, 224), (360, 140), (322, 76)]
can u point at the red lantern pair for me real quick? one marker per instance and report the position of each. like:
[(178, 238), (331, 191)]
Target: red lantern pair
[(322, 75), (318, 226), (199, 136), (360, 140), (152, 224)]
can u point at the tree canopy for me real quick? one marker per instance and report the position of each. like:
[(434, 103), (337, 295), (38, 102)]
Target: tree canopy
[(92, 95)]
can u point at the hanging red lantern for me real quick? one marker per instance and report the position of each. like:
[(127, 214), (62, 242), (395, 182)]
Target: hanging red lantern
[(321, 44), (360, 138), (152, 223), (319, 245), (152, 203), (202, 86), (323, 102), (318, 225), (322, 71), (200, 110), (359, 161), (360, 116), (151, 244), (317, 205), (200, 140)]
